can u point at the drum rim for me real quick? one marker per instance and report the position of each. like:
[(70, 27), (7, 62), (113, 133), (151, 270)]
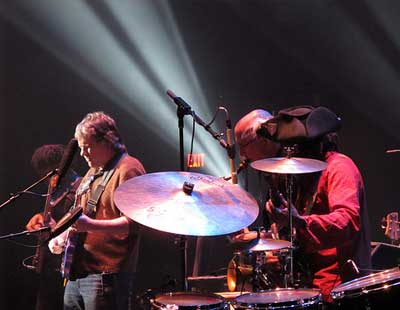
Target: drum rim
[(365, 288), (304, 301)]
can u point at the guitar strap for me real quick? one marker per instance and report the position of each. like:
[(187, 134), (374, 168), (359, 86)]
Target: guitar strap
[(94, 198)]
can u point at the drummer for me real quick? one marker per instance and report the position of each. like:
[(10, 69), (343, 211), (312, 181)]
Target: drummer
[(329, 212), (253, 147)]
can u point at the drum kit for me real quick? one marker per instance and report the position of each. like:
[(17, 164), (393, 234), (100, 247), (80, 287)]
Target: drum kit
[(194, 204)]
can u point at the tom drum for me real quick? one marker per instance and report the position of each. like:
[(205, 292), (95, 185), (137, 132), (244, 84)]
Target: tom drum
[(378, 290), (188, 301), (280, 298)]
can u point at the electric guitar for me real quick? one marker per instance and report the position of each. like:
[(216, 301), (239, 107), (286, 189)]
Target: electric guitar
[(72, 236)]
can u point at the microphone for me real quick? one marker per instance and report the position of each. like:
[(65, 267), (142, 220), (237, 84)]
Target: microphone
[(230, 146), (66, 160), (65, 222)]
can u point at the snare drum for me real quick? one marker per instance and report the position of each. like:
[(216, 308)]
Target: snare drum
[(188, 301), (378, 290), (281, 298)]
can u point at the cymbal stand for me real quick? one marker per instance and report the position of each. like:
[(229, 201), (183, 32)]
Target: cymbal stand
[(289, 190), (182, 110), (289, 279)]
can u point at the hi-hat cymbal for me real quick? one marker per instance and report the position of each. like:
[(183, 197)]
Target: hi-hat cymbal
[(289, 165), (268, 245), (214, 207)]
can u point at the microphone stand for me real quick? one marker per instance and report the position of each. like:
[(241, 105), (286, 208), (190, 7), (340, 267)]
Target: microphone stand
[(185, 109), (182, 109), (15, 196), (26, 232)]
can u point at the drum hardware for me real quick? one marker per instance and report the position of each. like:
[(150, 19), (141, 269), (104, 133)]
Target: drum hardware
[(289, 166), (260, 278), (250, 271)]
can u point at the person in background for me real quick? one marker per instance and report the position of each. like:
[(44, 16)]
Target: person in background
[(47, 158)]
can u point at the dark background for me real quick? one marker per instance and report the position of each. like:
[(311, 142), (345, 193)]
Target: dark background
[(247, 55)]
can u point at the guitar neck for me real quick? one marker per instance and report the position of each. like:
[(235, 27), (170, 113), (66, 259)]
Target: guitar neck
[(38, 259)]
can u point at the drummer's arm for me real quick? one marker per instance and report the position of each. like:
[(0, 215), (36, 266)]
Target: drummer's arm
[(119, 225), (342, 224), (248, 235)]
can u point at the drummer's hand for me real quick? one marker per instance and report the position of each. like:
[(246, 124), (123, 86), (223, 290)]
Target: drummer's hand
[(247, 236), (281, 215)]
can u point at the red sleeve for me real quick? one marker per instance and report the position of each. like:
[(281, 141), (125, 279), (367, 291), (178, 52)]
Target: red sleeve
[(335, 218)]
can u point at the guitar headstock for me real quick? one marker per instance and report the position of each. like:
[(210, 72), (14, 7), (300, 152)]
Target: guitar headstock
[(390, 223)]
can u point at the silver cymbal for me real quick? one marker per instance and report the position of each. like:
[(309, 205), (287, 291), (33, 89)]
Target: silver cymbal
[(289, 165), (268, 245), (215, 206)]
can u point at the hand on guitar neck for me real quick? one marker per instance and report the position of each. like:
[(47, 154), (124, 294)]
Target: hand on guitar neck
[(37, 222)]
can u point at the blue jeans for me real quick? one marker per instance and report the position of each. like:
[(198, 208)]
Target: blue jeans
[(100, 292)]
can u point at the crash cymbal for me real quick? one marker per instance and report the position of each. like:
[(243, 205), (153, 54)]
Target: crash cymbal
[(268, 245), (214, 207), (289, 165)]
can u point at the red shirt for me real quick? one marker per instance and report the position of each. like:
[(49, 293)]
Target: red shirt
[(337, 225)]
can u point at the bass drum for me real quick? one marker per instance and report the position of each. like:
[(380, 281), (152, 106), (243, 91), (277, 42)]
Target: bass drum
[(280, 298), (375, 291), (188, 301)]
